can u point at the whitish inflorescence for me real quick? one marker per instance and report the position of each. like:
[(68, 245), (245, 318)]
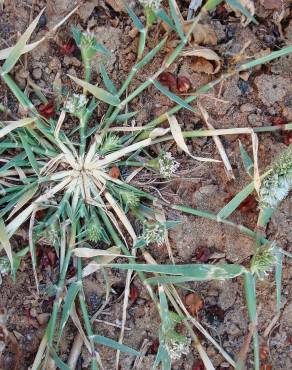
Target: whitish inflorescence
[(153, 232), (153, 4), (263, 261), (276, 186), (178, 346), (167, 165), (75, 103)]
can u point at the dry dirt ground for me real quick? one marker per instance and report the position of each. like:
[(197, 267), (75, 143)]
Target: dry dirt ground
[(259, 98)]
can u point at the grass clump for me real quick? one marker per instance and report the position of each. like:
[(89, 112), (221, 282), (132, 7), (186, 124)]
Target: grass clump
[(68, 175)]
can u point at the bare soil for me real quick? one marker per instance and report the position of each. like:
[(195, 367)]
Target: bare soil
[(256, 99)]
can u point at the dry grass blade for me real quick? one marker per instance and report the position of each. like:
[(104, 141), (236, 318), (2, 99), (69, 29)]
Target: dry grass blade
[(120, 213), (4, 242), (93, 266), (218, 143), (205, 53), (179, 139), (89, 253), (255, 146), (59, 124), (12, 125)]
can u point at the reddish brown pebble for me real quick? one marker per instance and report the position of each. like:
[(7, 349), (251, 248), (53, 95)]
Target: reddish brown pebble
[(69, 47), (167, 79), (264, 352), (153, 349), (134, 293), (39, 215), (267, 367), (47, 110), (193, 303), (52, 257), (287, 139), (278, 121), (183, 84), (198, 365), (203, 254), (248, 205), (114, 172)]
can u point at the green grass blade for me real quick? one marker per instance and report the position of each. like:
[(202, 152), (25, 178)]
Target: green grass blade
[(197, 271), (250, 293), (70, 297), (161, 13), (138, 24), (173, 96), (102, 49), (14, 162), (100, 339), (106, 80), (20, 45), (275, 54), (211, 4), (150, 55), (231, 206), (99, 93), (125, 116), (162, 358), (278, 277), (174, 11), (60, 364), (30, 155), (237, 5), (247, 161), (26, 197), (5, 243)]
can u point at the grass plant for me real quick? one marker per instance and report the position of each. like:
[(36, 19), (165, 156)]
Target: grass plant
[(88, 212)]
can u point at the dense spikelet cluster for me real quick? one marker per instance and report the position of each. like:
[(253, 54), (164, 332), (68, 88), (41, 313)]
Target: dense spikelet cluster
[(129, 198), (88, 39), (110, 143), (176, 347), (276, 186), (75, 103), (153, 4), (94, 231), (263, 261), (153, 232), (167, 165)]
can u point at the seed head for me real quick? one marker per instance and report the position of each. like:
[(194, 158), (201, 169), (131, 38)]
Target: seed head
[(177, 345), (153, 4), (129, 198), (75, 104), (276, 186), (88, 40), (167, 164), (263, 261), (153, 232), (94, 231)]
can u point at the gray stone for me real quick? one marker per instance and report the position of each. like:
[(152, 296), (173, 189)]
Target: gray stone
[(37, 73)]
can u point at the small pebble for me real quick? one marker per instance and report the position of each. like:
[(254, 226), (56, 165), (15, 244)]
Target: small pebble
[(243, 86), (71, 61), (54, 64), (42, 21), (43, 318), (33, 312), (247, 108), (37, 73)]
